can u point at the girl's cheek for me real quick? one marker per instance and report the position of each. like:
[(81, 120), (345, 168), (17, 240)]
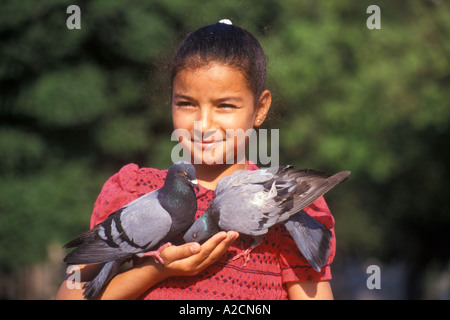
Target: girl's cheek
[(181, 121)]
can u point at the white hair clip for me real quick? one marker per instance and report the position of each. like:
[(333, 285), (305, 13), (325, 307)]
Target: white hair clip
[(226, 21)]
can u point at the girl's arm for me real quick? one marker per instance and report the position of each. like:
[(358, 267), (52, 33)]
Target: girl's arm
[(299, 290), (185, 260)]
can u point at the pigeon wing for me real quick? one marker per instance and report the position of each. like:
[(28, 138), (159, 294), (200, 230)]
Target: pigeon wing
[(256, 196), (311, 185), (249, 212), (295, 189), (242, 178), (133, 229), (145, 223)]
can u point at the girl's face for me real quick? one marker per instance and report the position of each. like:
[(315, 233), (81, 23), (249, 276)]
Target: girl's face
[(214, 107)]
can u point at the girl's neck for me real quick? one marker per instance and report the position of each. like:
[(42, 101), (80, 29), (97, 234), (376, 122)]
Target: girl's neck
[(209, 175)]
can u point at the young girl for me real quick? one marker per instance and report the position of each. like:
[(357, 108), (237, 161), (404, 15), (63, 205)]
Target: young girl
[(218, 78)]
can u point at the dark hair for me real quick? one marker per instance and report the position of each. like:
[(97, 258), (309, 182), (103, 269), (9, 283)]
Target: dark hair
[(227, 44)]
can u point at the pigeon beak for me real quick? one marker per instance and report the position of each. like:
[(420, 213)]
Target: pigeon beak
[(194, 184)]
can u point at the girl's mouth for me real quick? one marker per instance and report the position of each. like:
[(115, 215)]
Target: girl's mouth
[(209, 143)]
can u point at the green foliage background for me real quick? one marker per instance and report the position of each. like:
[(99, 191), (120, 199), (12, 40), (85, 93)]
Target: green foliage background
[(76, 105)]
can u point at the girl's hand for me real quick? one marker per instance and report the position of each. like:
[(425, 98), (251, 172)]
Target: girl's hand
[(191, 258)]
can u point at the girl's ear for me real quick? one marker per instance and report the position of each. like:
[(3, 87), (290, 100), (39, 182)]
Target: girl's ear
[(264, 103)]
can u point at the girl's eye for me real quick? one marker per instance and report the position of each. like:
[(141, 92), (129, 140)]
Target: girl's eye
[(184, 104), (227, 106)]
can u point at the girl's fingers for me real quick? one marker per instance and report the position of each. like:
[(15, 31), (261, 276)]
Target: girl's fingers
[(215, 247), (173, 253)]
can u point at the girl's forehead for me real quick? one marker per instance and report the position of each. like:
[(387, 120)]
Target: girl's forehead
[(213, 74)]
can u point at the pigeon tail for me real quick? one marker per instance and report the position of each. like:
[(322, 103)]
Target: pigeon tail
[(92, 288), (81, 238), (312, 238)]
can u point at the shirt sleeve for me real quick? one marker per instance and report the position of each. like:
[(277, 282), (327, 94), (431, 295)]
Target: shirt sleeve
[(294, 267), (119, 190)]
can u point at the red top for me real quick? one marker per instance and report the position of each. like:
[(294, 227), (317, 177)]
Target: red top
[(275, 261)]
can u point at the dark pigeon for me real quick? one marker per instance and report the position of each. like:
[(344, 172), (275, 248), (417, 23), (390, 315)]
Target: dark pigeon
[(250, 202), (137, 228)]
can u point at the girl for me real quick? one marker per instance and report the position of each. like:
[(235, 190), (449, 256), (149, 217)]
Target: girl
[(218, 78)]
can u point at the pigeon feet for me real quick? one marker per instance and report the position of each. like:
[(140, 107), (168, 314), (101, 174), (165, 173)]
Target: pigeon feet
[(155, 254), (245, 254)]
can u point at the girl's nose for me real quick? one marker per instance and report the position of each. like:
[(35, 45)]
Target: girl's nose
[(207, 120)]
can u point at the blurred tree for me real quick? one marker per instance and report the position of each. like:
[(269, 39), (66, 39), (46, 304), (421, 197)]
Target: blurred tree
[(75, 105), (375, 102)]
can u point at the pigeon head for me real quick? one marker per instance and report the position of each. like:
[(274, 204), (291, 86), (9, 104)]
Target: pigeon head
[(184, 172), (202, 229)]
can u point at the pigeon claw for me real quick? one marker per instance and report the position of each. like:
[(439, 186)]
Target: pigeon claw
[(245, 254), (155, 254)]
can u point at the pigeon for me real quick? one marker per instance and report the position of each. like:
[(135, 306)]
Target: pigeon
[(137, 228), (250, 202)]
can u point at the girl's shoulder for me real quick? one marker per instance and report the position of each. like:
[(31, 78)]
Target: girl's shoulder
[(129, 183), (133, 179)]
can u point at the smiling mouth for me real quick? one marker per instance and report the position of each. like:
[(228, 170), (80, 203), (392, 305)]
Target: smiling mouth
[(210, 143)]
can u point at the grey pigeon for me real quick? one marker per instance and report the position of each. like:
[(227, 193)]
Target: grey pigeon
[(250, 202), (137, 228)]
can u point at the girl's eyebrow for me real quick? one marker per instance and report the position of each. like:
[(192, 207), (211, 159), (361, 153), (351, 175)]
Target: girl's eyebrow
[(180, 96), (224, 99), (231, 98)]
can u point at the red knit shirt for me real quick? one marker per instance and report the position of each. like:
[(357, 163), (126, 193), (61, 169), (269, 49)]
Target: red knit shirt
[(274, 262)]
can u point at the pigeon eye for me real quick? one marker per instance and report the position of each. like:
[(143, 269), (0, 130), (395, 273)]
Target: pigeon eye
[(183, 174)]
